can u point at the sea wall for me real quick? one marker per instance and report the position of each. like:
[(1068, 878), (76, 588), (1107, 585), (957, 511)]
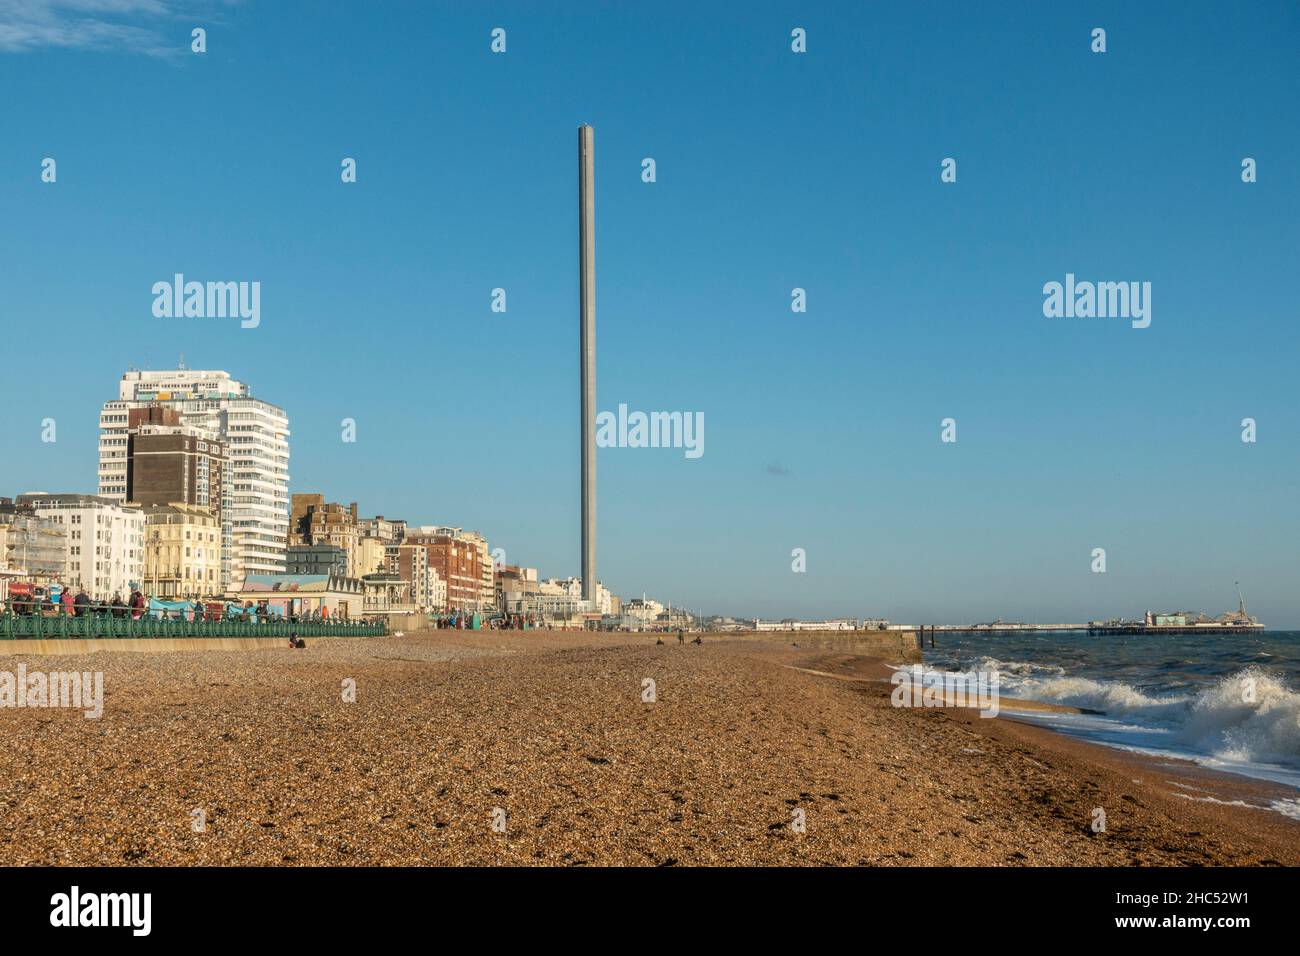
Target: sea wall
[(406, 623), (895, 646)]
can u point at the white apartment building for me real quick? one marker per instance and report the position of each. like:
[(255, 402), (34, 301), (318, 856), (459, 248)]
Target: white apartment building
[(572, 588), (388, 531), (436, 589), (105, 541), (255, 514), (644, 609), (550, 602)]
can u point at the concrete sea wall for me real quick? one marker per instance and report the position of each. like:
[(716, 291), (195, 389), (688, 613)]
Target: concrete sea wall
[(894, 646), (147, 645)]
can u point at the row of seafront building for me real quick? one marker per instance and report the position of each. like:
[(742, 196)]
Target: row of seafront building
[(193, 501)]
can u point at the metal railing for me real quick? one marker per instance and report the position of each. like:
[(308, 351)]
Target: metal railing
[(19, 621)]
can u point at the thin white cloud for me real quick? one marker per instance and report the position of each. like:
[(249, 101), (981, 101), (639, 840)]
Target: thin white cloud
[(124, 26)]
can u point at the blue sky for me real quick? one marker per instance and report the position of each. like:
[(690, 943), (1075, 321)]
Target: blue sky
[(775, 170)]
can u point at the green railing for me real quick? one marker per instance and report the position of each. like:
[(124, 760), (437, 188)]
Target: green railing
[(98, 625)]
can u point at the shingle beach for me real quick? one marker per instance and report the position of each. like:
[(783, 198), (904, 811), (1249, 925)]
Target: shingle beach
[(454, 736)]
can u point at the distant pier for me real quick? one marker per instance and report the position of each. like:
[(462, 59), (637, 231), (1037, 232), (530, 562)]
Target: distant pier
[(1000, 629)]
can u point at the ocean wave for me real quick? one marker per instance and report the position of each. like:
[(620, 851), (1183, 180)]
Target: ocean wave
[(1019, 669), (1246, 717), (1290, 808), (1249, 716), (1112, 697)]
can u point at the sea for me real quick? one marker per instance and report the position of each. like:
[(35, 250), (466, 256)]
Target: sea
[(1227, 702)]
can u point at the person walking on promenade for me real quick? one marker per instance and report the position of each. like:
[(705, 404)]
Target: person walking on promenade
[(81, 602), (681, 637), (137, 605), (116, 605), (68, 601)]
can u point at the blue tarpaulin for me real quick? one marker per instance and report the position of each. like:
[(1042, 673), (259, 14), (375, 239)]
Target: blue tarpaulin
[(172, 609)]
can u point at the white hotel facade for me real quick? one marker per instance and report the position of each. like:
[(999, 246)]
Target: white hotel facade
[(104, 541), (255, 524)]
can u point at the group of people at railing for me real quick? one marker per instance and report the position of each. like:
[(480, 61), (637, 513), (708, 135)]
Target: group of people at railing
[(472, 620), (67, 602)]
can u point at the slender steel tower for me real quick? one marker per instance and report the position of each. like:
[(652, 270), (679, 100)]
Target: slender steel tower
[(587, 322)]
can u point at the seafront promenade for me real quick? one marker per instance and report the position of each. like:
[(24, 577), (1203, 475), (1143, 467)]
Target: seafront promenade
[(61, 626)]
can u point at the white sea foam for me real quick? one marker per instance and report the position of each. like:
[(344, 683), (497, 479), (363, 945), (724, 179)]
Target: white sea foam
[(1113, 697), (1232, 724), (1019, 669), (1245, 718), (1222, 803), (1290, 808)]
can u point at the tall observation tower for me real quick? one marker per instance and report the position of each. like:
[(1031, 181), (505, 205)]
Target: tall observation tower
[(587, 356)]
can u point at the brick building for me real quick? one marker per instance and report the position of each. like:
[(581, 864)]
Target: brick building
[(458, 565), (313, 520), (171, 463)]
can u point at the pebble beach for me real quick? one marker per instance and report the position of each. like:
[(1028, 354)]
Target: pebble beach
[(536, 748)]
